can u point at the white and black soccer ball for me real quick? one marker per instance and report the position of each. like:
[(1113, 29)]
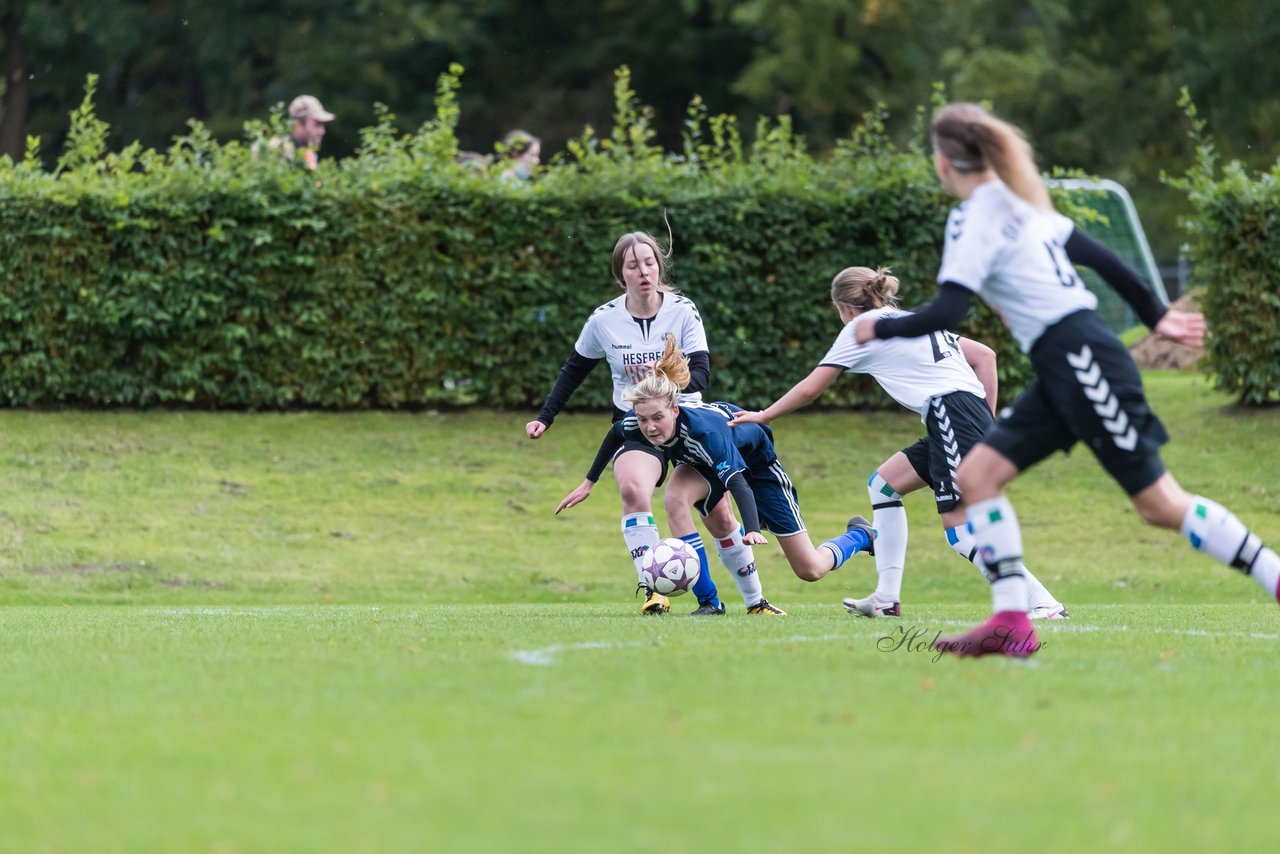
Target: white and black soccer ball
[(671, 567)]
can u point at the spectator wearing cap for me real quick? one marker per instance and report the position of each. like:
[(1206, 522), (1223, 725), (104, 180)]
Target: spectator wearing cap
[(309, 118)]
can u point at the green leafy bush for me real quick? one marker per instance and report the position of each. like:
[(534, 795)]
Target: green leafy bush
[(217, 275), (1236, 252)]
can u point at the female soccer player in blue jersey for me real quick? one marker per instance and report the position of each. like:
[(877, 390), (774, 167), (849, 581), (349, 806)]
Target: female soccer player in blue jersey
[(628, 333), (1006, 242), (714, 459), (951, 384)]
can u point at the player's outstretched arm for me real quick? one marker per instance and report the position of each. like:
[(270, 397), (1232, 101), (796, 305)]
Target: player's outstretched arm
[(747, 511), (572, 373), (1123, 279), (801, 395), (579, 495), (983, 361)]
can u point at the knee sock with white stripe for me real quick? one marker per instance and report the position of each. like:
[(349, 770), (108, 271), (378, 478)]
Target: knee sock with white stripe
[(846, 545), (889, 518), (705, 587), (741, 561), (959, 538), (999, 540), (640, 533), (1215, 530)]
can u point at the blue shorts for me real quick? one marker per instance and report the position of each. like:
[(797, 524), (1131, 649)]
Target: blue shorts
[(776, 499)]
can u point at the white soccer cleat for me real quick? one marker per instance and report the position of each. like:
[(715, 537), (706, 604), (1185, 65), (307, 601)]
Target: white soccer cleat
[(1049, 611), (872, 606)]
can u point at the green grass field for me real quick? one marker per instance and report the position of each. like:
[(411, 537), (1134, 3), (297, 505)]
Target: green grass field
[(322, 632)]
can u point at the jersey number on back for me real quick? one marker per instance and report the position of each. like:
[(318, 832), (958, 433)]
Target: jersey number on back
[(944, 344), (1067, 276)]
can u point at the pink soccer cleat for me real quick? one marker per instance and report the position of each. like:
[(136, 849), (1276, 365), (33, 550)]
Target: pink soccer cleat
[(1005, 633)]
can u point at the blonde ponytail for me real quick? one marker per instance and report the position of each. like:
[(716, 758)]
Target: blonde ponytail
[(973, 140), (864, 289), (670, 374)]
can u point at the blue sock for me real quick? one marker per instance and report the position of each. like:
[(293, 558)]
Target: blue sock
[(847, 545), (704, 588)]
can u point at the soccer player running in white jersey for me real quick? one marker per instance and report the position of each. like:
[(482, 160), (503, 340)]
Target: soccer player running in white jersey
[(720, 461), (1006, 242), (934, 377), (628, 332)]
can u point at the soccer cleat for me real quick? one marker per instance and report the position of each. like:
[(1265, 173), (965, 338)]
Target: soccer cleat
[(706, 609), (860, 523), (763, 608), (1051, 611), (654, 603), (872, 606), (1005, 633)]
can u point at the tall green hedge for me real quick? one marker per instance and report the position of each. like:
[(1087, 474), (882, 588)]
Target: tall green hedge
[(209, 276), (1235, 247), (213, 276)]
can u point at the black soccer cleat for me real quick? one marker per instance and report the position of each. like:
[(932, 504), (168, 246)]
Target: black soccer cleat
[(859, 523)]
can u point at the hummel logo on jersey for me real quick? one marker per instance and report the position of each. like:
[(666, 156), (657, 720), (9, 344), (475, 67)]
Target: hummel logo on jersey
[(620, 346)]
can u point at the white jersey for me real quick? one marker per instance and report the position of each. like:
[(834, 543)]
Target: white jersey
[(1012, 255), (629, 344), (911, 370)]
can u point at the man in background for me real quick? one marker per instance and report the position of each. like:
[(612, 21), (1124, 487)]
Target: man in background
[(309, 120)]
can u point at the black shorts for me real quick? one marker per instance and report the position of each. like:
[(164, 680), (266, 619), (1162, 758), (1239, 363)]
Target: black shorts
[(954, 422), (631, 445), (1087, 389)]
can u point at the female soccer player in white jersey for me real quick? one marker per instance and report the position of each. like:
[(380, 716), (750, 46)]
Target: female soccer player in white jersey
[(628, 332), (934, 377), (1005, 241), (720, 460)]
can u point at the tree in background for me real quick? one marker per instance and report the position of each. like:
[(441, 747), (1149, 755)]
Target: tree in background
[(1094, 82)]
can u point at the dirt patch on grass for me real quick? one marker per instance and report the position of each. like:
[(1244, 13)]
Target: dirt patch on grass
[(196, 583), (89, 568)]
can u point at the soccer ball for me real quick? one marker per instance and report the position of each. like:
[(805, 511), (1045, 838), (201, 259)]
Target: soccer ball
[(671, 567)]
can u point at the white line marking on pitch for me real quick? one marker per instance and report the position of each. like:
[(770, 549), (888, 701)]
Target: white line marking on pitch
[(1060, 626), (547, 654)]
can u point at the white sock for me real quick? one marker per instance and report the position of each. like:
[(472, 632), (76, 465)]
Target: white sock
[(889, 518), (1215, 530), (998, 538), (741, 561), (1009, 594), (641, 534), (1038, 596)]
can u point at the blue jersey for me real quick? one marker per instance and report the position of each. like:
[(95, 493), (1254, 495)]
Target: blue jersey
[(704, 440)]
